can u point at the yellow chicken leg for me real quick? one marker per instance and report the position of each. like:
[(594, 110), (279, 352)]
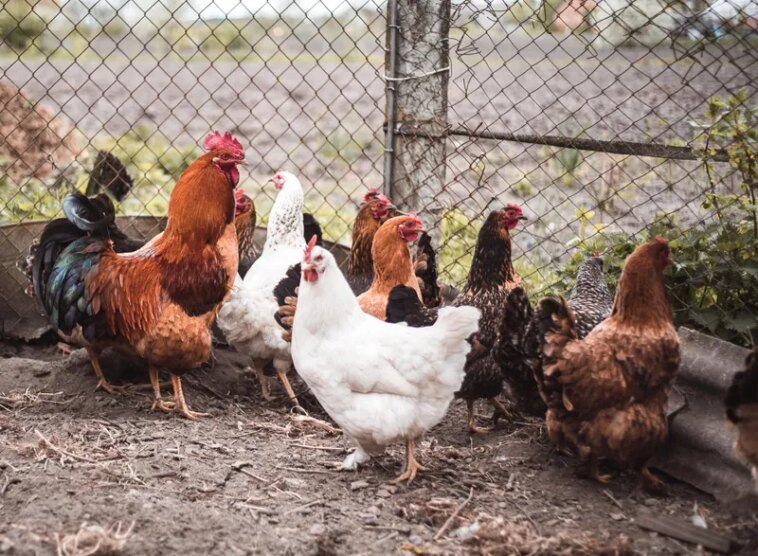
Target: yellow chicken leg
[(158, 402), (102, 382), (181, 404), (412, 466)]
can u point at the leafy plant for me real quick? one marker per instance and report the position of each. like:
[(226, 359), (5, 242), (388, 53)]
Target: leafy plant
[(20, 24), (713, 283)]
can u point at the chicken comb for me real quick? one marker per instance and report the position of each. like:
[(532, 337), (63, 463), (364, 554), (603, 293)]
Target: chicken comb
[(597, 253), (215, 140), (370, 194), (514, 206), (239, 194), (309, 247)]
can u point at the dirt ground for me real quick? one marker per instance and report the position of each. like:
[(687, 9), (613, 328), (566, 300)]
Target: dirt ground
[(78, 467)]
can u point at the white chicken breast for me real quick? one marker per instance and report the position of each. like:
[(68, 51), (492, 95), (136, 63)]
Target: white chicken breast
[(247, 319), (380, 382)]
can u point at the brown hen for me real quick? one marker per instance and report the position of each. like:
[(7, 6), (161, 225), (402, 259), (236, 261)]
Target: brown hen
[(606, 394)]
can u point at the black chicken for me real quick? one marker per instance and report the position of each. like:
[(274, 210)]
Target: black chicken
[(590, 299)]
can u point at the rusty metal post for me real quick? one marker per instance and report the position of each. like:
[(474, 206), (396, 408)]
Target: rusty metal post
[(417, 104)]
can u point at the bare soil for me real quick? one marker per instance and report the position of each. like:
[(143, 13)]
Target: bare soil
[(79, 467)]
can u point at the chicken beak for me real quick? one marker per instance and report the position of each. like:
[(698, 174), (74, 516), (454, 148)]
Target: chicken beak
[(522, 217), (306, 266), (241, 162)]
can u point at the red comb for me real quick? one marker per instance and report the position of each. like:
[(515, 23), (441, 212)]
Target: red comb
[(514, 206), (370, 194), (215, 140), (597, 253), (239, 194), (309, 247)]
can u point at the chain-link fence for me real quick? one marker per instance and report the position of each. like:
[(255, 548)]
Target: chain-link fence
[(590, 114)]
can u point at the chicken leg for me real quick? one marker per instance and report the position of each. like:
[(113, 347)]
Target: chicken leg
[(102, 382), (259, 365), (412, 467), (290, 392), (181, 404), (472, 427), (158, 402)]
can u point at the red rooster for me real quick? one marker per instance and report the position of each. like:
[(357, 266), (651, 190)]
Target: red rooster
[(158, 302)]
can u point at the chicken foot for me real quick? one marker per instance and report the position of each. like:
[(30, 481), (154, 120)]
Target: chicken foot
[(263, 380), (472, 426), (181, 403), (412, 466), (290, 392), (158, 402), (652, 483), (102, 382)]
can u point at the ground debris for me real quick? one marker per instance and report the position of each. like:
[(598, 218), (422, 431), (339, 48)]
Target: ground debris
[(517, 536), (93, 540)]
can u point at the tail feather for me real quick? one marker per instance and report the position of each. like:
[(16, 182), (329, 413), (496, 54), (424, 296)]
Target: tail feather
[(286, 292), (425, 264), (311, 228), (109, 174), (57, 235), (403, 305), (510, 352), (65, 299), (457, 323), (556, 327)]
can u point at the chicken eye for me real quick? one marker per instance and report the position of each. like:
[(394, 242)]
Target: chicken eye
[(319, 258)]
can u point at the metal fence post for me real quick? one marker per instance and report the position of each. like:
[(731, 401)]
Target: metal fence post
[(417, 104)]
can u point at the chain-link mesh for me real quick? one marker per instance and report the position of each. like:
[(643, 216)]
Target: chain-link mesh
[(588, 113)]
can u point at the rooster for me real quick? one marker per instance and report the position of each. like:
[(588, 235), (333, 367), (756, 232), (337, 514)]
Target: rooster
[(490, 279), (606, 395), (159, 301), (742, 411), (247, 319), (392, 263), (399, 383)]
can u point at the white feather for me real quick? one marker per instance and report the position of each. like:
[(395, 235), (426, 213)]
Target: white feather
[(380, 382), (247, 319)]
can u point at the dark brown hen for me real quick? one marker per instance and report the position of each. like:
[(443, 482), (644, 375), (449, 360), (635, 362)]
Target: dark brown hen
[(490, 279)]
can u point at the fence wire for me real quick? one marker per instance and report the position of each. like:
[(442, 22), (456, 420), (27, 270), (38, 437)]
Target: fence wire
[(588, 113)]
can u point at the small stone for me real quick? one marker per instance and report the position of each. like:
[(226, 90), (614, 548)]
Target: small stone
[(373, 510), (617, 516), (392, 489), (356, 485), (415, 539), (650, 502), (383, 493), (317, 529)]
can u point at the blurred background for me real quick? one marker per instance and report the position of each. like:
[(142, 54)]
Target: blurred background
[(609, 121)]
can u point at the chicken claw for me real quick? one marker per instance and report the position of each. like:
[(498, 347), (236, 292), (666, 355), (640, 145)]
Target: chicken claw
[(102, 382), (412, 467), (181, 404), (653, 484), (355, 458), (472, 426), (263, 380)]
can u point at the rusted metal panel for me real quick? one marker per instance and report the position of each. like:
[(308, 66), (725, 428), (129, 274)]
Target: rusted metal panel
[(700, 447)]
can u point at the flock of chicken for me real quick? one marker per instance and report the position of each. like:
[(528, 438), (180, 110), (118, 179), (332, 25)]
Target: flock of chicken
[(383, 347)]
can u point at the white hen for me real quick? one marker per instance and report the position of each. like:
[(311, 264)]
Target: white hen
[(380, 382), (247, 319)]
